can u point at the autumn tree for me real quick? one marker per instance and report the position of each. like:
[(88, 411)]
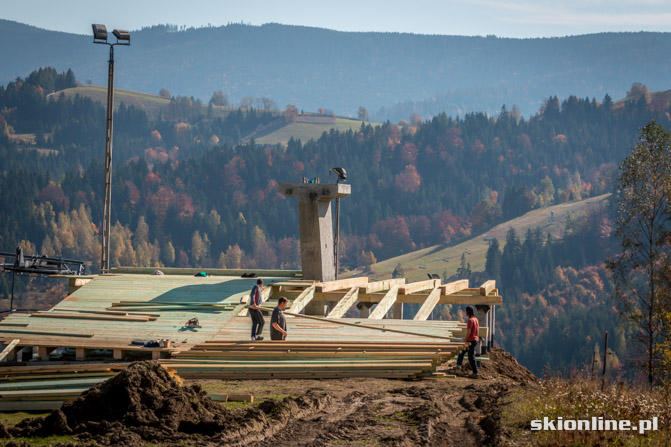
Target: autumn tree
[(164, 93), (291, 113), (218, 99), (268, 103), (362, 114), (642, 228)]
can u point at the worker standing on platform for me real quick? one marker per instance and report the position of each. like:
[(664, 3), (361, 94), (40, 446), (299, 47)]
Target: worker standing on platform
[(278, 324), (255, 312), (473, 329)]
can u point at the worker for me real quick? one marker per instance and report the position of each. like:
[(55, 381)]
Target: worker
[(278, 324), (255, 312), (472, 331)]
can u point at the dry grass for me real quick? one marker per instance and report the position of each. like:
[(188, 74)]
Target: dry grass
[(446, 258), (308, 131), (582, 398)]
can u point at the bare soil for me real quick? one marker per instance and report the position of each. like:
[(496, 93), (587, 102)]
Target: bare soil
[(144, 404)]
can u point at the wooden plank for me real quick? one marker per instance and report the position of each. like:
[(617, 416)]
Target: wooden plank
[(378, 286), (365, 326), (487, 287), (383, 306), (341, 284), (261, 273), (454, 286), (472, 299), (75, 316), (302, 300), (419, 286), (428, 306), (345, 303), (9, 349), (55, 334)]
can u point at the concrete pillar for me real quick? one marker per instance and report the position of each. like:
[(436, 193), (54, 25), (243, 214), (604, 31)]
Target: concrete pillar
[(317, 308), (316, 226), (482, 314), (364, 309), (398, 311)]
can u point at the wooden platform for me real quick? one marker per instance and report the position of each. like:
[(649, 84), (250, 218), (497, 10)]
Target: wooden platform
[(104, 314)]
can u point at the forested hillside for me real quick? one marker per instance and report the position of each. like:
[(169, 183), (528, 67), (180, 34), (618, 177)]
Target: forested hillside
[(314, 68), (186, 193)]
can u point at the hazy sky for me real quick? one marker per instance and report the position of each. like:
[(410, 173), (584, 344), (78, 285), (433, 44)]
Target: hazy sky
[(520, 18)]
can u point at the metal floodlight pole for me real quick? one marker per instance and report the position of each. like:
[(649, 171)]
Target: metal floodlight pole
[(123, 38), (107, 197)]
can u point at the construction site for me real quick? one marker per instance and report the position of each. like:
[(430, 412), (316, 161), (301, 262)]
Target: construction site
[(356, 330)]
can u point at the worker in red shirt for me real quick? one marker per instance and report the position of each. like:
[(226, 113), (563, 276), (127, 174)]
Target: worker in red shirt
[(473, 329)]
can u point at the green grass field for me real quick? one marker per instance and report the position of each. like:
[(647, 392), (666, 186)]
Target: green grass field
[(307, 131), (152, 104), (440, 258)]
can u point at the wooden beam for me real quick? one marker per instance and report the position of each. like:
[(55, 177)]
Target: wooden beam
[(56, 334), (340, 284), (453, 286), (428, 305), (92, 316), (378, 286), (303, 299), (8, 352), (223, 272), (487, 287), (491, 300), (364, 326), (383, 306), (419, 286), (345, 303)]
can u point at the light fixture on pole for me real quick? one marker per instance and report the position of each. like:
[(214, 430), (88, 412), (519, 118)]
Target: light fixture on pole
[(122, 38), (342, 175)]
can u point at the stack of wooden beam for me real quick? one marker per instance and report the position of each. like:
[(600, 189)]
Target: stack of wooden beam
[(311, 360), (46, 387)]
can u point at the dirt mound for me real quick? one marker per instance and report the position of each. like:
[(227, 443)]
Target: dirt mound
[(144, 403), (501, 366), (144, 399)]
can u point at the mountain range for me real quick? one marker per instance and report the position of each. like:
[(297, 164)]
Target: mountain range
[(391, 74)]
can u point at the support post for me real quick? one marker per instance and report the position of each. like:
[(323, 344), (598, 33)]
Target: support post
[(11, 302), (316, 225), (482, 311), (364, 309), (605, 360)]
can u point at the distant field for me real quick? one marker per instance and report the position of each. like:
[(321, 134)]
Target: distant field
[(152, 104), (439, 258), (307, 131)]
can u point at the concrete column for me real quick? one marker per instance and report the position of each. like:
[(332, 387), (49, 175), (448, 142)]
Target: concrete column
[(482, 314), (364, 309), (398, 311), (317, 308), (316, 226)]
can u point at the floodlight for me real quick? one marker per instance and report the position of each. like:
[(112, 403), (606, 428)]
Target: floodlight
[(122, 35), (341, 173), (99, 32)]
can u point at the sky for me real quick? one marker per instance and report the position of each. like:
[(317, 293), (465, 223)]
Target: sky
[(520, 18)]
